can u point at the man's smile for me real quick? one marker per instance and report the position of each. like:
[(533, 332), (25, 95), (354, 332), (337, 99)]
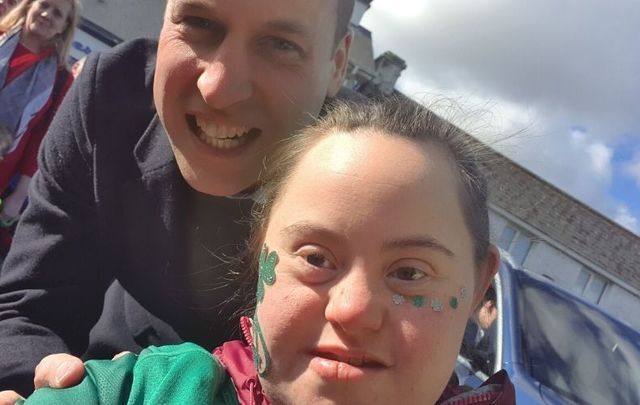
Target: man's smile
[(221, 136)]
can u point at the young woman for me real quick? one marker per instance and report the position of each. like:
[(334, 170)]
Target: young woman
[(372, 251), (34, 46)]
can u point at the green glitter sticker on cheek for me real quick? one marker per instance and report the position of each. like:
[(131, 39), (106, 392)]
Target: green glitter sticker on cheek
[(266, 271), (418, 301), (435, 303)]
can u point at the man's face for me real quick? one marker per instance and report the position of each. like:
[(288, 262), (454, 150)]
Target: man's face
[(233, 77)]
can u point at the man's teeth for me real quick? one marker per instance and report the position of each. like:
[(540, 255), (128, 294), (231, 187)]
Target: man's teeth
[(221, 136)]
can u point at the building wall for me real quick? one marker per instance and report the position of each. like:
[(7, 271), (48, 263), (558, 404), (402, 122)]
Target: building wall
[(549, 259), (623, 304), (496, 223), (359, 9), (124, 18), (552, 263), (612, 250)]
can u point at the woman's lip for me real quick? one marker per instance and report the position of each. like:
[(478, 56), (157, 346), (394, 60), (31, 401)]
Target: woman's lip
[(342, 363), (331, 369), (354, 356)]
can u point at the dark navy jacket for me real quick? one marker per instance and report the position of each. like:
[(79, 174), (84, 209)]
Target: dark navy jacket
[(108, 202)]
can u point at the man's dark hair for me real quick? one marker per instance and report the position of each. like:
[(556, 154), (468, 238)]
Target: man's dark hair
[(344, 11)]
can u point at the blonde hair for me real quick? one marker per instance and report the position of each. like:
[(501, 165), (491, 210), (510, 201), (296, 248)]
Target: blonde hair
[(16, 17)]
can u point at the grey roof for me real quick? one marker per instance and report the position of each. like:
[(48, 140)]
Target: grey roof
[(564, 219)]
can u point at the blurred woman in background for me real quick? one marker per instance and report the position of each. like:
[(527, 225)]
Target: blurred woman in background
[(34, 45)]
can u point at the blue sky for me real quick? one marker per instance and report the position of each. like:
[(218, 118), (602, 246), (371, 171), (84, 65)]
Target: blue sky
[(553, 85)]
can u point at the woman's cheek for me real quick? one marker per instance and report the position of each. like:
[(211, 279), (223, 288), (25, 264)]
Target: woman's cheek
[(288, 308), (422, 335)]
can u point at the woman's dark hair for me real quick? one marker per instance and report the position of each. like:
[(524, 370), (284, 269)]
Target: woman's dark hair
[(393, 117)]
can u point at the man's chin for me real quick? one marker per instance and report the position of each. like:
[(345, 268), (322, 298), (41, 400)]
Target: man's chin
[(217, 187)]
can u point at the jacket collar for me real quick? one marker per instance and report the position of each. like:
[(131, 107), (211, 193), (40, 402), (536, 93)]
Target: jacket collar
[(497, 390), (237, 359), (153, 151)]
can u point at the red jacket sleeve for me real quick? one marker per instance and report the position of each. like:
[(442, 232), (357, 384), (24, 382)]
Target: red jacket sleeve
[(38, 128)]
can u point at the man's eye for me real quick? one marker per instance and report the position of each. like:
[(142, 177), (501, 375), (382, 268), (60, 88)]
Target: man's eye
[(408, 274), (198, 23), (284, 46)]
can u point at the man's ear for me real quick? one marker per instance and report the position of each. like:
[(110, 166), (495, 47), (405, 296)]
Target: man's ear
[(488, 270), (340, 61)]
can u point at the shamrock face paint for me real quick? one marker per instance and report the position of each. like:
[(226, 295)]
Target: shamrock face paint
[(261, 357), (266, 276), (266, 271)]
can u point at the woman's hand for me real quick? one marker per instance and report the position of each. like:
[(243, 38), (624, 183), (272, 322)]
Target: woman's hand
[(9, 397), (56, 371), (59, 370)]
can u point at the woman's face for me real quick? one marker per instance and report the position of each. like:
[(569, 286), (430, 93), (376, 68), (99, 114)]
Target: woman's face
[(47, 18), (375, 275)]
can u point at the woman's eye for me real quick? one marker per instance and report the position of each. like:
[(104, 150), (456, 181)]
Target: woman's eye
[(318, 260), (408, 274)]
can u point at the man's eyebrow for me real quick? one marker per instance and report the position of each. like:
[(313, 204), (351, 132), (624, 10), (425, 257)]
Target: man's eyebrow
[(421, 241), (288, 27)]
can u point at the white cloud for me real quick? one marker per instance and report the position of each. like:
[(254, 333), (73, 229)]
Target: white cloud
[(625, 218), (561, 76), (632, 168), (575, 59), (601, 158)]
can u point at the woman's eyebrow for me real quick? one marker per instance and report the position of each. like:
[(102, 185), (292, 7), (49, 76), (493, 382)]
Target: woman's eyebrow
[(308, 228), (421, 241)]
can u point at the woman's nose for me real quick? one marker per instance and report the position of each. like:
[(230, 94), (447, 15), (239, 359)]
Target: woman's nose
[(355, 304)]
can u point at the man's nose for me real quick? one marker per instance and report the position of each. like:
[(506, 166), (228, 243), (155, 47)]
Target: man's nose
[(226, 79), (355, 304)]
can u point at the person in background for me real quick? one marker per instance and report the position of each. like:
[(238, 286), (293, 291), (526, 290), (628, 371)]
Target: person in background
[(76, 68), (5, 6), (479, 338), (34, 46), (371, 251), (147, 177)]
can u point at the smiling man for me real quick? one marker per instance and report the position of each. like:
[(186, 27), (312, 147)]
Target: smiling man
[(136, 188)]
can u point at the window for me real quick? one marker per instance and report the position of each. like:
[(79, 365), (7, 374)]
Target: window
[(590, 286), (518, 243), (578, 351)]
